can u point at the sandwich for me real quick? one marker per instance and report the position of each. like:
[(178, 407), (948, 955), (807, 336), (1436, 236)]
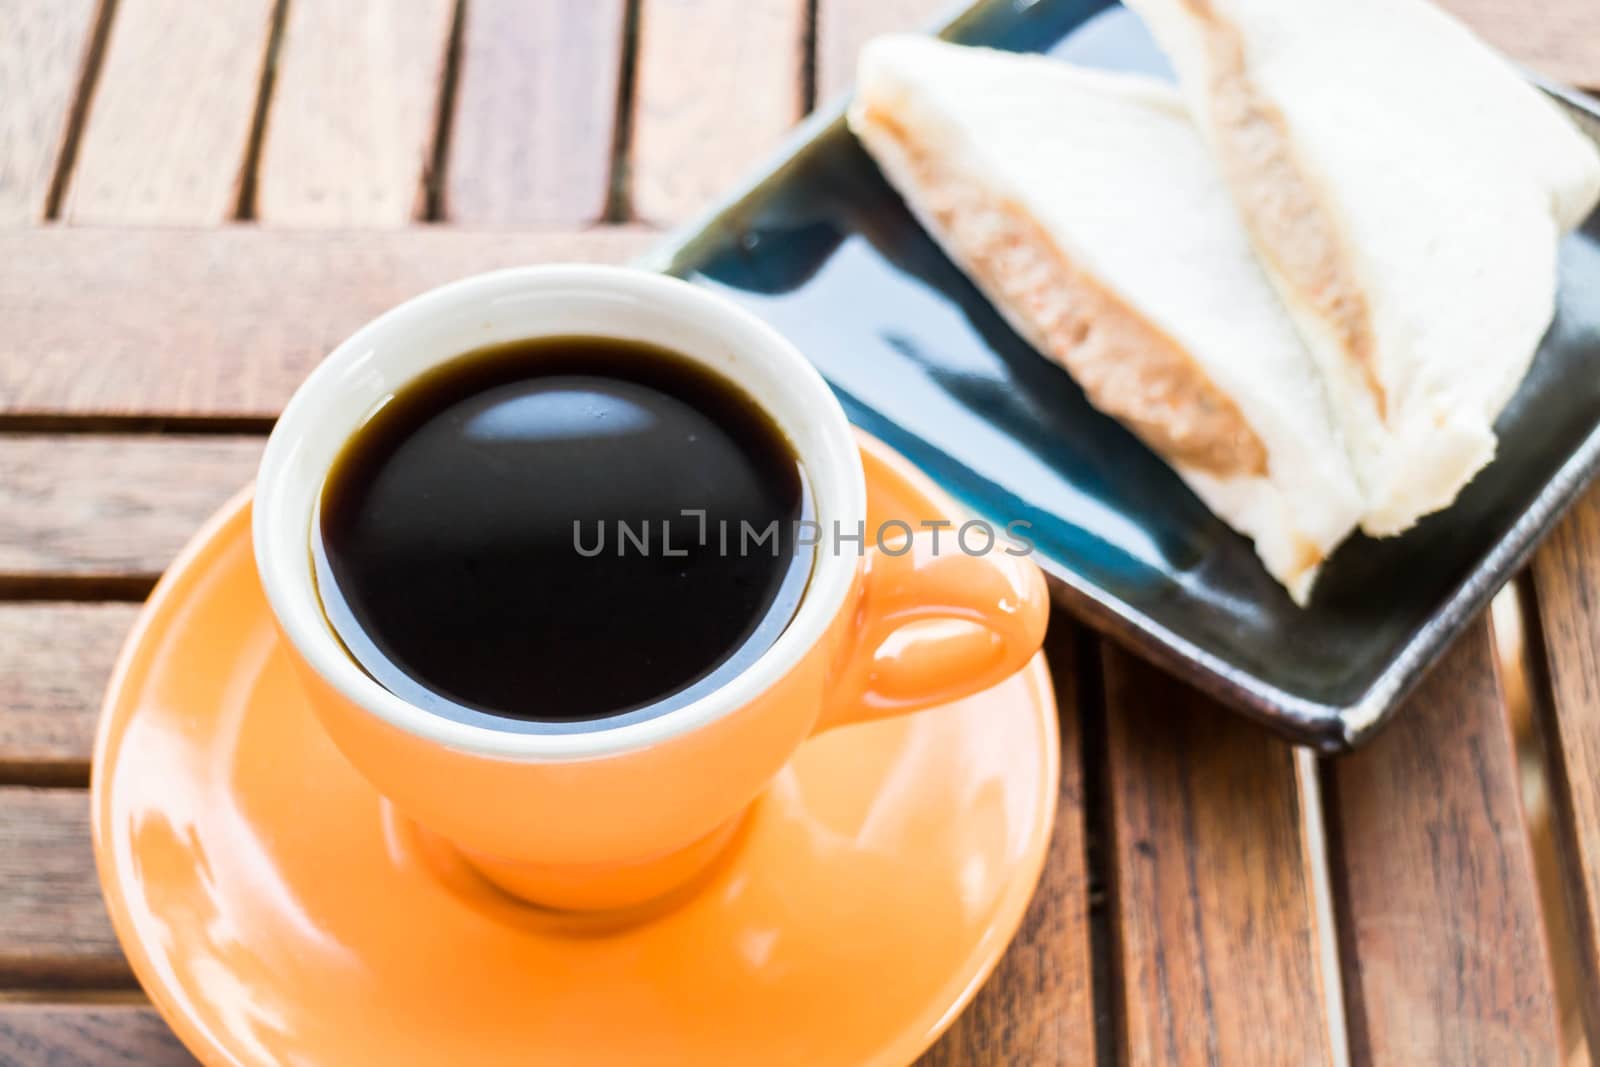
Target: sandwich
[(1088, 210), (1405, 189)]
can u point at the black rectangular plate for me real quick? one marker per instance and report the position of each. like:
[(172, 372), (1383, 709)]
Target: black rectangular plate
[(822, 248)]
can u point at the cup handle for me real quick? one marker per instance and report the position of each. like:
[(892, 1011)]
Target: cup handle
[(933, 626)]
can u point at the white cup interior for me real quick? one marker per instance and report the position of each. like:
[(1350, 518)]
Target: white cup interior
[(379, 359)]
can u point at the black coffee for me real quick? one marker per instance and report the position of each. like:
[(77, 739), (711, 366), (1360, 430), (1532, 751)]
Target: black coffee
[(507, 536)]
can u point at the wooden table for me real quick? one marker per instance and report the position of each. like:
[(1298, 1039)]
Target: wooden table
[(197, 200)]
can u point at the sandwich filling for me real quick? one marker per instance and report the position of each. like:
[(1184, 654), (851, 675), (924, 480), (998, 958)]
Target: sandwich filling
[(1127, 366), (1406, 189), (1287, 218), (1084, 206)]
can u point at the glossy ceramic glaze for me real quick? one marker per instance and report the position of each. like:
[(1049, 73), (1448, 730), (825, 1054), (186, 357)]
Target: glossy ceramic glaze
[(278, 911), (645, 803), (823, 249)]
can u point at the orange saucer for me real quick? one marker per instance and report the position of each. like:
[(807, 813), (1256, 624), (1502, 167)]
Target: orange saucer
[(278, 912)]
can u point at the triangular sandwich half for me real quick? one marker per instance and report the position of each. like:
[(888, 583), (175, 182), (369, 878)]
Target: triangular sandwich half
[(1406, 189), (1087, 209)]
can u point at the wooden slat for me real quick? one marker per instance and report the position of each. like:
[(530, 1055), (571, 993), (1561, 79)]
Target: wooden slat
[(718, 83), (43, 47), (1557, 38), (1038, 1006), (220, 322), (1213, 909), (535, 114), (1443, 943), (54, 663), (169, 123), (53, 928), (92, 505), (87, 1035), (1566, 578), (348, 139), (843, 26)]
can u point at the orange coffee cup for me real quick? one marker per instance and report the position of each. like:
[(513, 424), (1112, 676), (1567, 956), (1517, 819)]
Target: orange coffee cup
[(617, 815)]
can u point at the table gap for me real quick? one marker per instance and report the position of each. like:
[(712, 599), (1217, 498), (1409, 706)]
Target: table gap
[(1314, 822), (1351, 999), (44, 774), (47, 983), (808, 58), (1104, 964), (245, 209), (132, 996), (78, 111), (28, 422), (618, 206), (433, 208), (1546, 794), (76, 588)]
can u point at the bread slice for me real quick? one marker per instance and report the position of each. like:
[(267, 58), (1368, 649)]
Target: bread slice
[(1087, 209), (1406, 190)]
